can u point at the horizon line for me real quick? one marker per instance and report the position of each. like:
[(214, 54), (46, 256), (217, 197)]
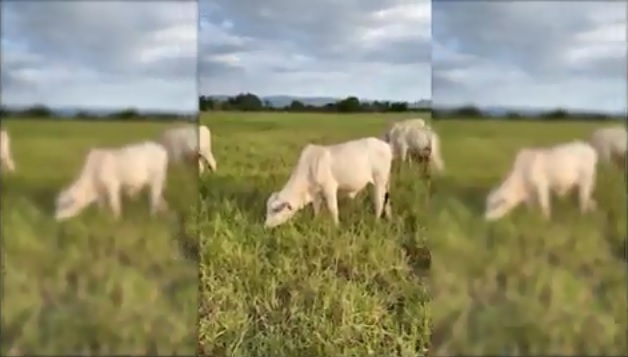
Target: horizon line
[(312, 97)]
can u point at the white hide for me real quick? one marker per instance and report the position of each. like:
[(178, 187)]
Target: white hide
[(414, 122), (537, 172), (324, 171), (107, 173), (187, 143), (413, 137), (611, 144), (6, 158)]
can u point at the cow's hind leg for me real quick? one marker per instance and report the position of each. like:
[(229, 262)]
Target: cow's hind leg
[(115, 202), (585, 195), (331, 199), (381, 199), (157, 202)]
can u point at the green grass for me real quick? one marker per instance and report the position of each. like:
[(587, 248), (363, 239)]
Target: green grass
[(91, 285), (517, 286), (522, 285), (306, 288)]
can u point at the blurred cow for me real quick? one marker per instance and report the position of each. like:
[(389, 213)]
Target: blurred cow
[(107, 173)]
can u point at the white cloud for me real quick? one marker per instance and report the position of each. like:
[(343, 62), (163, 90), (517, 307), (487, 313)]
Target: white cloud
[(109, 54), (372, 49), (530, 54)]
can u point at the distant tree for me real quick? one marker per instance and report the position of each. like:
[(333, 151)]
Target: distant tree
[(206, 103), (296, 106), (126, 114), (380, 106), (558, 114), (330, 107), (38, 111), (468, 111), (224, 105), (268, 105), (82, 114), (598, 117), (349, 105), (438, 114), (246, 102), (513, 115), (399, 107)]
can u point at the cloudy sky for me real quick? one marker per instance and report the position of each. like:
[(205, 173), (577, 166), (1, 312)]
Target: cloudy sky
[(106, 54), (569, 54), (375, 49)]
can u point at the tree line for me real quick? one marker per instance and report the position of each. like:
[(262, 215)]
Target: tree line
[(253, 103), (472, 112), (43, 112), (250, 102)]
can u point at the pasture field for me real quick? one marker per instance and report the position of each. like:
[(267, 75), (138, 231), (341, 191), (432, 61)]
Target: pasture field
[(516, 286), (305, 288), (92, 285)]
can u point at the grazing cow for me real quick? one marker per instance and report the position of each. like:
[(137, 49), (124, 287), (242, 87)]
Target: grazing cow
[(190, 144), (537, 172), (416, 139), (6, 158), (611, 144), (415, 122), (108, 172), (324, 171)]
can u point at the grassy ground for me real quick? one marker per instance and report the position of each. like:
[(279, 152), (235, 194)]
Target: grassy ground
[(91, 285), (305, 289), (516, 286), (522, 285), (519, 285)]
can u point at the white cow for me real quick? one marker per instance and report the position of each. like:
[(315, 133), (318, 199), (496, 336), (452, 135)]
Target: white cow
[(415, 138), (324, 171), (189, 143), (611, 144), (537, 172), (414, 122), (6, 158), (109, 172)]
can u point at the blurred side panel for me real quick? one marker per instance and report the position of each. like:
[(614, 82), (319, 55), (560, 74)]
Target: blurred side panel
[(88, 89), (511, 76)]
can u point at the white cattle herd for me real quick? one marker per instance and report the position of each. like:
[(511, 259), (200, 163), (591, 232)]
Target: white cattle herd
[(324, 171)]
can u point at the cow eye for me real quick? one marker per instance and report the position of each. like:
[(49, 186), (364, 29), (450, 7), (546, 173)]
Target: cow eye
[(279, 208), (282, 206), (66, 203), (498, 202)]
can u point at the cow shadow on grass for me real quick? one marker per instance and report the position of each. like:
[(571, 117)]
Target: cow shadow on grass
[(230, 194), (471, 195), (42, 197), (186, 238), (617, 242)]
